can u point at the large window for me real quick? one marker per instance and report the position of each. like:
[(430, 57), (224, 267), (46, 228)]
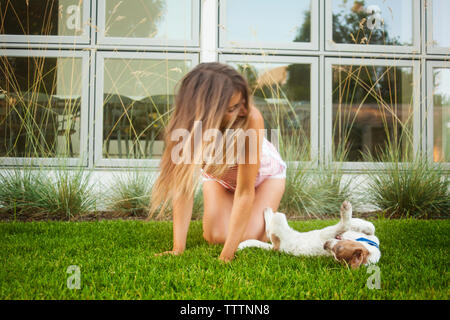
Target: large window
[(373, 25), (149, 22), (437, 17), (136, 94), (48, 21), (373, 105), (255, 24), (42, 105), (439, 111)]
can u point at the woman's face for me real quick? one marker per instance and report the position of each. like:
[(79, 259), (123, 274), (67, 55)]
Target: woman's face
[(235, 109)]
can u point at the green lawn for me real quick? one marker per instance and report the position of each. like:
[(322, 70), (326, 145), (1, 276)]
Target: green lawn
[(116, 261)]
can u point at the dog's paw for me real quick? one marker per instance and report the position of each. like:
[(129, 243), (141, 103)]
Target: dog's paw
[(252, 243), (246, 244), (346, 210), (346, 205)]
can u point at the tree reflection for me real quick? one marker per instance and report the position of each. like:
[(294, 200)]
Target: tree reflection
[(354, 27)]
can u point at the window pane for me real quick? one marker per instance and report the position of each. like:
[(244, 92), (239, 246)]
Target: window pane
[(441, 103), (377, 22), (258, 21), (441, 23), (372, 106), (40, 103), (281, 92), (41, 17), (154, 19), (137, 97)]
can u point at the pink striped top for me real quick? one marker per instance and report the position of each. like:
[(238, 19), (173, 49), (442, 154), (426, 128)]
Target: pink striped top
[(271, 165)]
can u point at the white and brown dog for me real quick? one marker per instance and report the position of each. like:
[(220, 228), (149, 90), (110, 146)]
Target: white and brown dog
[(350, 240)]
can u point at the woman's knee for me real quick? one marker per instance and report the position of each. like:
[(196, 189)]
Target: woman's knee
[(214, 235), (213, 227)]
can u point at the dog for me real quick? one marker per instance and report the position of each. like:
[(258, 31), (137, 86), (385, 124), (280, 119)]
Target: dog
[(351, 240)]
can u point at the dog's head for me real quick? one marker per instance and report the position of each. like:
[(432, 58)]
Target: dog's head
[(349, 251)]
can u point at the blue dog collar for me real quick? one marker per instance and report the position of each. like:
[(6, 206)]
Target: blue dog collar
[(372, 243)]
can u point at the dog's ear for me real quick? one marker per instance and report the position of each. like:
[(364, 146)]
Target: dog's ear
[(357, 258)]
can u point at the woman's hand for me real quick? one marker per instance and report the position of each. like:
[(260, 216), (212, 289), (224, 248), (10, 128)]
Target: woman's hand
[(172, 252), (182, 212), (226, 257)]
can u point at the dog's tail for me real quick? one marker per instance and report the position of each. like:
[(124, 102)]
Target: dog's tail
[(255, 244)]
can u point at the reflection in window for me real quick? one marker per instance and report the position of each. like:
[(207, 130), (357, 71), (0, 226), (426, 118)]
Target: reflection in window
[(154, 19), (441, 105), (372, 109), (259, 21), (282, 93), (41, 17), (441, 23), (377, 22), (137, 98), (40, 101)]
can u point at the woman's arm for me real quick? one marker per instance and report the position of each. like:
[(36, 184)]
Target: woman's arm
[(182, 213), (240, 214), (245, 190)]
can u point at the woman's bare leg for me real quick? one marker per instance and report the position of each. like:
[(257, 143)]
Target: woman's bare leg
[(218, 203)]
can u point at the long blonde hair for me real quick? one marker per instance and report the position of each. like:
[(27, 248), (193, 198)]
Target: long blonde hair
[(203, 95)]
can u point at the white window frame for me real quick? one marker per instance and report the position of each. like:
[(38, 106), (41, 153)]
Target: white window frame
[(329, 62), (99, 161), (314, 62), (209, 35), (431, 65), (330, 45), (55, 39), (103, 40), (83, 159), (225, 44), (432, 49)]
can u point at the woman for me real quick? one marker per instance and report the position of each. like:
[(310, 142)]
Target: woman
[(216, 96)]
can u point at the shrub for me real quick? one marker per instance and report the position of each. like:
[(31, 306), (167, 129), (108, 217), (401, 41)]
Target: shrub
[(409, 187), (129, 194), (34, 193), (314, 192)]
